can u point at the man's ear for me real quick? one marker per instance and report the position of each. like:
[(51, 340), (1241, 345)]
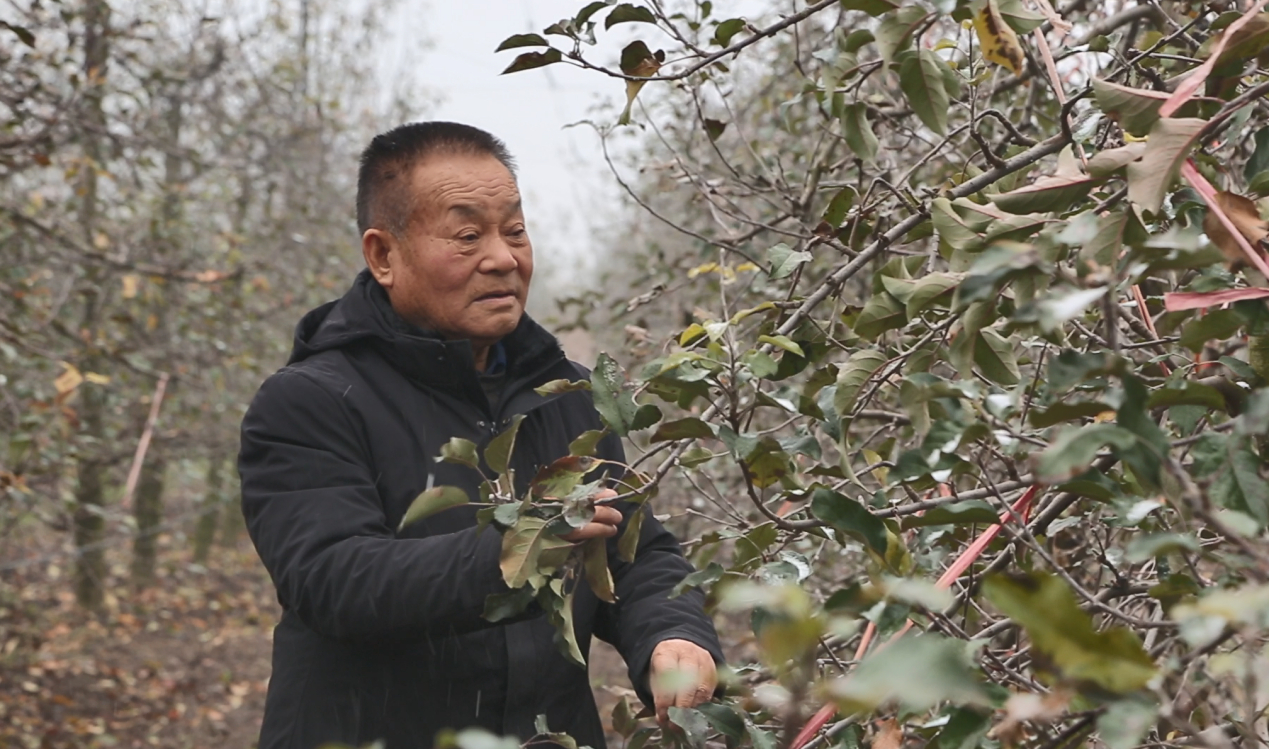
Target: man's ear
[(377, 248)]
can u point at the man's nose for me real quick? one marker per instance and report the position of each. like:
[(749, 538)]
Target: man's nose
[(499, 258)]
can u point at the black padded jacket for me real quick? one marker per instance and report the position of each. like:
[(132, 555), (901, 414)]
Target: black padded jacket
[(381, 635)]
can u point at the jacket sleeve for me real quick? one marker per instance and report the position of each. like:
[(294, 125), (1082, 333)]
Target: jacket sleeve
[(317, 521), (644, 614)]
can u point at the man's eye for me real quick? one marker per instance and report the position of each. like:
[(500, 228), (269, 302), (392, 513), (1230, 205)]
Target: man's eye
[(469, 237)]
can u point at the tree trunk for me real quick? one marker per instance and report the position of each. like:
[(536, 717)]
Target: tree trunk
[(89, 525), (148, 511), (90, 568), (233, 524), (209, 515)]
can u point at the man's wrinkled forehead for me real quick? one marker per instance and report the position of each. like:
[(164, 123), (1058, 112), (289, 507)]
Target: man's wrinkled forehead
[(464, 186)]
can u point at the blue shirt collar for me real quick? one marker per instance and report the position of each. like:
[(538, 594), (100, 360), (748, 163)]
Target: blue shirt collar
[(496, 363)]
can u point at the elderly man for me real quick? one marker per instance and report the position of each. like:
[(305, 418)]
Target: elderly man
[(381, 634)]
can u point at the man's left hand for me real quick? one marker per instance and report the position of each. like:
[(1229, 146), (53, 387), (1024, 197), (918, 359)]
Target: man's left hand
[(682, 674)]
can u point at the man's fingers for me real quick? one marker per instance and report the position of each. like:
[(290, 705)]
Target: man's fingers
[(665, 664), (607, 515)]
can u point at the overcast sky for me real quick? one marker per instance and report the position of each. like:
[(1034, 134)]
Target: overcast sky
[(562, 174)]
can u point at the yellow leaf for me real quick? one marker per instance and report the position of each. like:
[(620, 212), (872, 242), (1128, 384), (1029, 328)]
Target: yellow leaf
[(746, 267), (999, 42), (101, 241), (881, 473), (68, 380), (151, 323), (130, 284), (97, 378), (705, 268), (694, 331)]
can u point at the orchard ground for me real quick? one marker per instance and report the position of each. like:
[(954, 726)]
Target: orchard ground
[(182, 665)]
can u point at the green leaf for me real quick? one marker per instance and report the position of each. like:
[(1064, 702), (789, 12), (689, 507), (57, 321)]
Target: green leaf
[(1216, 325), (1067, 411), (1126, 722), (848, 516), (929, 288), (1135, 109), (433, 501), (959, 513), (694, 728), (1061, 306), (1112, 160), (595, 566), (498, 451), (522, 547), (1054, 194), (522, 40), (500, 606), (637, 61), (712, 573), (1154, 545), (782, 342), (784, 260), (857, 370), (1113, 231), (644, 417), (896, 30), (24, 34), (1045, 606), (1150, 178), (628, 13), (918, 672), (623, 718), (1187, 393), (559, 478), (954, 233), (881, 312), (1021, 20), (1147, 455), (565, 639), (1239, 486), (965, 729), (858, 133), (460, 451), (1073, 450), (531, 60), (724, 32), (839, 206), (994, 357), (724, 720), (682, 429), (561, 386), (1259, 161), (921, 79), (714, 128), (589, 10), (586, 442), (874, 8), (628, 544), (614, 403)]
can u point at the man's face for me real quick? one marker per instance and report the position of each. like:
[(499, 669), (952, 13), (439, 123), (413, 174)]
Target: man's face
[(463, 266)]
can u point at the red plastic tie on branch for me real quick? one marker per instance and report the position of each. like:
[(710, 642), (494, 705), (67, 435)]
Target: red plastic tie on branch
[(1020, 510)]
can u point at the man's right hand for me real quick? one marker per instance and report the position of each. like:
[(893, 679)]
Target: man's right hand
[(603, 525)]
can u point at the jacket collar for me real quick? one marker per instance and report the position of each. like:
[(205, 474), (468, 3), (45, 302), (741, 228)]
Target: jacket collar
[(364, 317)]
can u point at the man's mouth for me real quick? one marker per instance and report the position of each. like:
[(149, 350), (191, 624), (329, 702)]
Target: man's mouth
[(496, 296)]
